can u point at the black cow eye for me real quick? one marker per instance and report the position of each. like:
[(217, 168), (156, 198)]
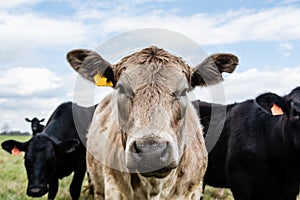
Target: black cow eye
[(295, 108), (125, 91), (296, 115), (181, 93)]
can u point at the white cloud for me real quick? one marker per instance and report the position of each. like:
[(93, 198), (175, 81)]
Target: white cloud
[(241, 86), (23, 32), (284, 2), (31, 92), (274, 24), (286, 48), (15, 3), (14, 111), (21, 81)]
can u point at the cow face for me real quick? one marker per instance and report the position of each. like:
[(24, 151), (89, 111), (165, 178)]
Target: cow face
[(35, 123), (289, 106), (150, 101), (41, 157)]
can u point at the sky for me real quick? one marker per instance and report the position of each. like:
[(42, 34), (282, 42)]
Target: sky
[(35, 36)]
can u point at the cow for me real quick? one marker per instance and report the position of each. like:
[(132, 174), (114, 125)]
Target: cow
[(36, 125), (56, 152), (257, 155), (145, 140)]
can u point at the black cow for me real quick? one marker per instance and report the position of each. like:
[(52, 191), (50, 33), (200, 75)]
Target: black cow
[(36, 125), (257, 154), (56, 152)]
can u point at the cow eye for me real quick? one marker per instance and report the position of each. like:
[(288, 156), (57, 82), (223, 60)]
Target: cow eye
[(178, 94), (296, 115), (295, 111), (125, 91)]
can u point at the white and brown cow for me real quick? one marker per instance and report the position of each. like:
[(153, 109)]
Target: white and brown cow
[(145, 140)]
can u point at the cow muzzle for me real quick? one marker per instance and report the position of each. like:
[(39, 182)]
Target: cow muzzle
[(36, 191), (151, 157)]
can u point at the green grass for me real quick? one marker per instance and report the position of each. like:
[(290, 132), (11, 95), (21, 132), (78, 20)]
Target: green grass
[(13, 180), (212, 193)]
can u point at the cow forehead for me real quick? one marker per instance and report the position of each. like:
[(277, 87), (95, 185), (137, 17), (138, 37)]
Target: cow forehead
[(39, 144), (162, 76), (152, 62), (295, 95)]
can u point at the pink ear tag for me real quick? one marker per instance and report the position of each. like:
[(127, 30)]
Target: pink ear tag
[(276, 110), (15, 151)]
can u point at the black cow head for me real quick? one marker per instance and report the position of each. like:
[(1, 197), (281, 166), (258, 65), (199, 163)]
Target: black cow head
[(41, 158), (289, 107), (35, 125)]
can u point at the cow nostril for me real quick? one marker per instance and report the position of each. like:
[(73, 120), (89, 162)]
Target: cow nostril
[(35, 190), (150, 147), (135, 148), (164, 154)]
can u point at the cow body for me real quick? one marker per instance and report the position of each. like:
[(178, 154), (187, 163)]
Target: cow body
[(215, 174), (257, 153), (54, 154), (145, 140), (36, 125)]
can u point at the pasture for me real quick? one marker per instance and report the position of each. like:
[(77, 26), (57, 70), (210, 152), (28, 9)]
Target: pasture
[(13, 179)]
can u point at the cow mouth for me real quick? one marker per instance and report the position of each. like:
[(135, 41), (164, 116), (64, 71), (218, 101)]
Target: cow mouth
[(152, 171), (161, 173)]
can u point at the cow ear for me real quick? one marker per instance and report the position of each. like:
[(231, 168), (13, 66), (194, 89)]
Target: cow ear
[(28, 120), (68, 146), (210, 71), (92, 67), (272, 104), (42, 120), (14, 147)]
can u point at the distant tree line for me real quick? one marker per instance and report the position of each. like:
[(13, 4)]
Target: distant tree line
[(14, 133), (5, 131)]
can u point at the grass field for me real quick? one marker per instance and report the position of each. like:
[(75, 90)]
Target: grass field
[(13, 180)]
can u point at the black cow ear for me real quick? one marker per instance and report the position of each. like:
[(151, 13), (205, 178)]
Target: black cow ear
[(14, 147), (28, 120), (68, 146), (42, 120), (272, 104), (90, 65), (210, 71)]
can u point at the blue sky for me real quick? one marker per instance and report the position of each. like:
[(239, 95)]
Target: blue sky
[(35, 36)]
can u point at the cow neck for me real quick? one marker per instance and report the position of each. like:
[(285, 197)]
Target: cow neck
[(53, 139)]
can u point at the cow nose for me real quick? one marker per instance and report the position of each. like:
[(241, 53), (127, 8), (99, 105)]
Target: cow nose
[(36, 191), (151, 149), (151, 156)]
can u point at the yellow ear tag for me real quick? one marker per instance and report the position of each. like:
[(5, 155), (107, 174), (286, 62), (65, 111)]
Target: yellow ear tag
[(276, 110), (102, 81)]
